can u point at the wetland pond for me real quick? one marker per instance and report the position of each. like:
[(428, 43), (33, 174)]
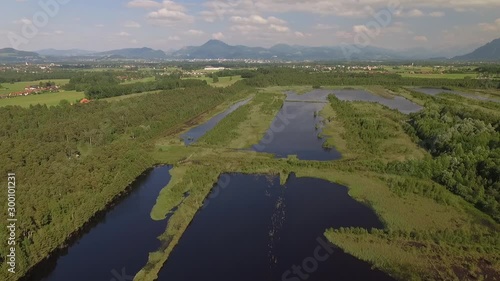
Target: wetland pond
[(436, 91), (256, 229), (119, 242), (403, 105), (297, 127), (295, 131), (196, 133)]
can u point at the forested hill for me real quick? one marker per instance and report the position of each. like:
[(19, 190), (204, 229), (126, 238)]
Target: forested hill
[(13, 55), (488, 52)]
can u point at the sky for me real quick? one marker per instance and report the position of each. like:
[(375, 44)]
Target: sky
[(100, 25)]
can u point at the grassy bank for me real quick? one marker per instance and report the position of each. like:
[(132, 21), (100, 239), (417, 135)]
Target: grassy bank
[(374, 131), (247, 125)]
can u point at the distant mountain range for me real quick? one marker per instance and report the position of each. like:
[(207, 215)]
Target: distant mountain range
[(12, 55), (215, 49), (488, 52), (134, 53), (64, 53)]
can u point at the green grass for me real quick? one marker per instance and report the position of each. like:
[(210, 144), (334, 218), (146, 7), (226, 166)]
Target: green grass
[(367, 130), (380, 91), (247, 125), (437, 75), (223, 81), (119, 98), (143, 80), (19, 86), (48, 99)]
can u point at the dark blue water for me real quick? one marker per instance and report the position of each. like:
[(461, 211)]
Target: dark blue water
[(256, 229), (397, 102), (120, 242), (196, 133), (436, 91), (295, 131)]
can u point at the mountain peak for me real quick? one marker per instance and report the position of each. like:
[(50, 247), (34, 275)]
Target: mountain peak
[(488, 52), (215, 42)]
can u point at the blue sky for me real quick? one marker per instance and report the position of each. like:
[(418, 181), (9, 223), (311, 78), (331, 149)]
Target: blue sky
[(109, 24)]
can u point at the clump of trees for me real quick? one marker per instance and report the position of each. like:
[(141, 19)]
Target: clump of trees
[(12, 76), (465, 145), (266, 77), (105, 85)]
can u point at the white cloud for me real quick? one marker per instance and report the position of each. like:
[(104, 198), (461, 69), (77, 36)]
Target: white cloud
[(99, 25), (256, 23), (415, 13), (420, 38), (299, 34), (256, 19), (437, 14), (220, 9), (344, 34), (279, 28), (59, 32), (218, 36), (24, 21), (321, 26), (145, 4), (174, 38), (360, 29), (171, 13), (124, 34), (494, 26), (245, 28), (195, 32), (132, 24)]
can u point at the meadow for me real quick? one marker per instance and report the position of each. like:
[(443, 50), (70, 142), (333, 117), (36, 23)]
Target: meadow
[(223, 81), (247, 125), (144, 80), (439, 75), (19, 86), (49, 99)]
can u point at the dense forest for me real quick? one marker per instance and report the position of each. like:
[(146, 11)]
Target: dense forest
[(286, 76), (14, 76), (465, 144), (71, 160), (106, 84)]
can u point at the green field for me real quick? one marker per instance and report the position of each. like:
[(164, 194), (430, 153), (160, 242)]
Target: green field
[(143, 80), (19, 86), (438, 75), (119, 98), (47, 99), (223, 81)]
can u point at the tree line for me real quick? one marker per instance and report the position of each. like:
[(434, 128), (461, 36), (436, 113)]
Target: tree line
[(285, 76), (465, 144), (106, 84)]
